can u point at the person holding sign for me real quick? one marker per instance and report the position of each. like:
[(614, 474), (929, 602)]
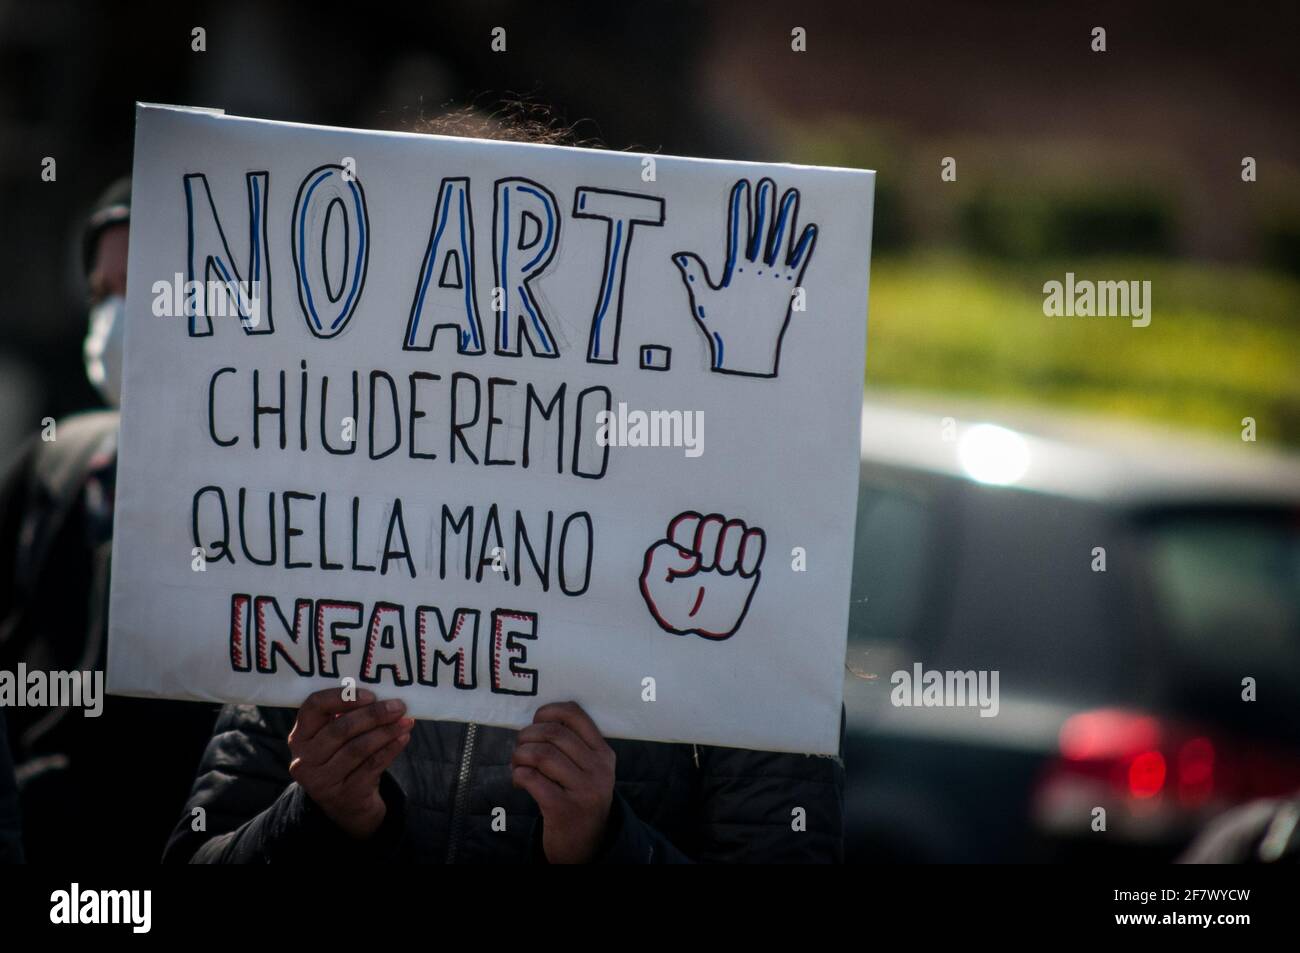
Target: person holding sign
[(351, 776), (357, 780)]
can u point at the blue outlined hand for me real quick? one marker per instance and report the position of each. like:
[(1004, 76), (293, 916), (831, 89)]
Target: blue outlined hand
[(744, 315)]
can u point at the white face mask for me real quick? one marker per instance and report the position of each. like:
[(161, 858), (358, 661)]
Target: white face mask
[(103, 348)]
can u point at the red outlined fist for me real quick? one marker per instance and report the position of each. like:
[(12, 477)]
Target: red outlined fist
[(702, 578)]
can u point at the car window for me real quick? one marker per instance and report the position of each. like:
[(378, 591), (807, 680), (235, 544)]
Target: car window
[(889, 555), (1227, 587), (1028, 602)]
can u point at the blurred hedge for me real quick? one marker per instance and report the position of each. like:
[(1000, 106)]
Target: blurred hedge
[(1223, 343), (1035, 223)]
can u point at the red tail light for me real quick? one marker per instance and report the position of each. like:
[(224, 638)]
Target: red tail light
[(1122, 749), (1195, 771), (1156, 766), (1156, 776), (1107, 733), (1146, 774)]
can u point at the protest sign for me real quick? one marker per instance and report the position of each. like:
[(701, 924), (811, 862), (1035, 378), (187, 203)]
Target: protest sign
[(484, 425)]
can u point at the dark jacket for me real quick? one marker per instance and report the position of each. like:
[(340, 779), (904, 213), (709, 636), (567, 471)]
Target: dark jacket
[(673, 803), (11, 829), (56, 513)]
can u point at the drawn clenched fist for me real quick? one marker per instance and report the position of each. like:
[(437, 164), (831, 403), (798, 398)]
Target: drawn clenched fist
[(702, 577)]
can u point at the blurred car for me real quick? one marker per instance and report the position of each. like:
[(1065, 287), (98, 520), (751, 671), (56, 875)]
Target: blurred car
[(981, 535)]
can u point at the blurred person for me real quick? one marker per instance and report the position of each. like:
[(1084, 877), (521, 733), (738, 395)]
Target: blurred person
[(345, 780), (105, 786)]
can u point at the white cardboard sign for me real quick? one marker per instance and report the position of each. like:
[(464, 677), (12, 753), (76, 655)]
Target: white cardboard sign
[(484, 425)]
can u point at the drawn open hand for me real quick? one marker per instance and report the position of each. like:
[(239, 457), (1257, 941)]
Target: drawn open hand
[(702, 577), (744, 315)]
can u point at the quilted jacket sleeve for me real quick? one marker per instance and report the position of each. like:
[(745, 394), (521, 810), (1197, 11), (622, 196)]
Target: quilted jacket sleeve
[(753, 807), (253, 812)]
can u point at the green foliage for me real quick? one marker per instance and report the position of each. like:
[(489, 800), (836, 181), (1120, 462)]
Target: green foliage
[(1223, 343), (1027, 223), (1281, 241)]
